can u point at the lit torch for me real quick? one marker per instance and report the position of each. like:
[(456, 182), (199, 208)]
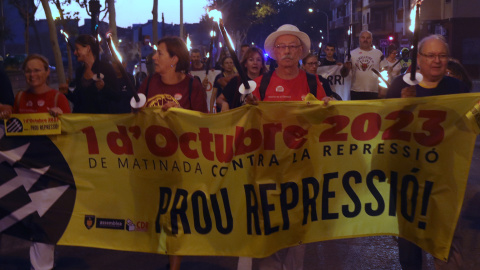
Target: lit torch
[(189, 43), (414, 78), (381, 78), (210, 52), (138, 100), (247, 87), (65, 35)]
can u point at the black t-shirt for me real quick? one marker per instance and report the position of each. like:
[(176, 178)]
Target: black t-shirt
[(446, 86), (325, 62)]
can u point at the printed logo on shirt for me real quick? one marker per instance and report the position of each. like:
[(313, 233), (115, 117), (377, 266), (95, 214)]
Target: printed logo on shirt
[(279, 89), (41, 102), (178, 96), (29, 103), (159, 100), (364, 63)]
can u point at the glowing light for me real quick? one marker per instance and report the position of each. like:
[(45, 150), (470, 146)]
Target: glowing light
[(109, 35), (212, 34), (374, 47), (64, 33), (310, 10), (208, 54), (220, 44), (119, 40), (320, 45), (412, 19), (155, 47), (189, 43), (99, 38), (215, 15)]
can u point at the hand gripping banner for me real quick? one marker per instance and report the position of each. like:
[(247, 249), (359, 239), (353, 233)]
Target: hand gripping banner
[(246, 182)]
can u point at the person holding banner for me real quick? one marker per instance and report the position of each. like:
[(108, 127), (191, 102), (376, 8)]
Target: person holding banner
[(288, 82), (93, 95), (253, 65), (433, 55), (170, 85), (39, 98)]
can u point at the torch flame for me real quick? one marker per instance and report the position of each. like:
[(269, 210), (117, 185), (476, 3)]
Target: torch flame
[(215, 15), (189, 43), (109, 35), (384, 75), (412, 19), (64, 33)]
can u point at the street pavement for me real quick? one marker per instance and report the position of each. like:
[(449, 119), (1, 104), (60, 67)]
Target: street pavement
[(379, 252)]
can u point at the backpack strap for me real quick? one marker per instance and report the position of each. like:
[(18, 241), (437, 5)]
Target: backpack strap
[(56, 99), (18, 98), (264, 83)]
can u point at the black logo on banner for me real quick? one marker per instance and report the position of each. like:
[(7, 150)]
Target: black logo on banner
[(37, 189), (108, 223), (14, 125), (89, 221)]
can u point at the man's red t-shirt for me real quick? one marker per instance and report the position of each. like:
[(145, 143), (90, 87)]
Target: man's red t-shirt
[(39, 103), (295, 89)]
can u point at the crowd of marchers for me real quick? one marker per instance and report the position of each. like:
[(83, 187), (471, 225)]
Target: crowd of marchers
[(100, 88)]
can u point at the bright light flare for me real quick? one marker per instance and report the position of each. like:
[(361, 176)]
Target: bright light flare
[(215, 15), (115, 51), (320, 45), (64, 33), (230, 40), (189, 43), (208, 54), (99, 38), (220, 44), (384, 75), (412, 19), (212, 34)]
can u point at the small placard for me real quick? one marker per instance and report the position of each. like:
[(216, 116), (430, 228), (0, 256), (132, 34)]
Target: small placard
[(32, 124)]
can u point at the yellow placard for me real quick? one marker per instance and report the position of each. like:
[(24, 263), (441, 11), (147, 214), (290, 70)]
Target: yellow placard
[(32, 124)]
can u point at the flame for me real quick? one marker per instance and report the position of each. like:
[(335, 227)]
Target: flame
[(64, 33), (212, 33), (412, 19), (384, 75), (189, 43), (215, 15), (115, 51)]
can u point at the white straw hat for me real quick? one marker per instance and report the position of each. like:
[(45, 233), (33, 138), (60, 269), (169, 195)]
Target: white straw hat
[(287, 29)]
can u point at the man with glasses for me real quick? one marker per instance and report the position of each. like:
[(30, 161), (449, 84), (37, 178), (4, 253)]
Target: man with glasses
[(287, 82), (364, 58), (432, 59)]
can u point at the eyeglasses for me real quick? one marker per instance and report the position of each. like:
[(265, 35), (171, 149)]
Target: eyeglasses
[(431, 56), (290, 47)]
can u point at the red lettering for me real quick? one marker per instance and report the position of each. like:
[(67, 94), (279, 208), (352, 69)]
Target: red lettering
[(170, 141), (113, 139), (269, 131), (206, 138), (252, 135), (293, 137), (224, 151), (92, 141), (362, 133), (185, 140)]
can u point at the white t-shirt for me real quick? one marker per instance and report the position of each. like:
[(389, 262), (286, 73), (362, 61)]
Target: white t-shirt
[(364, 80)]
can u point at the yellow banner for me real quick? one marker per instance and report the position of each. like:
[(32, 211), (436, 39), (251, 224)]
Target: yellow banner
[(32, 124), (256, 179)]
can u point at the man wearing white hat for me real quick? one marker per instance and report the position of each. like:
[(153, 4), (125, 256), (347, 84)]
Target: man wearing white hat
[(288, 82)]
